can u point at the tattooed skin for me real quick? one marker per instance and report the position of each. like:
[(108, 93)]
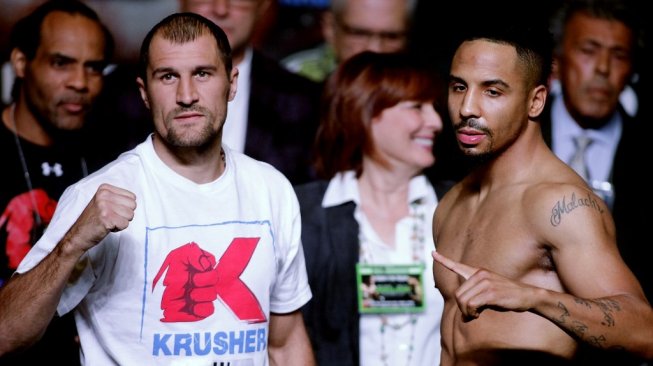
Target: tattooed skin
[(606, 306), (564, 315), (583, 302), (563, 207), (579, 328), (597, 341)]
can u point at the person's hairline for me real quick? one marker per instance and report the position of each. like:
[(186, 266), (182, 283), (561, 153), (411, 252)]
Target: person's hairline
[(521, 59), (204, 29), (107, 37), (561, 19), (159, 34), (97, 22)]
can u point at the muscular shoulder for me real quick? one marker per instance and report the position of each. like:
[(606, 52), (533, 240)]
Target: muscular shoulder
[(562, 212), (447, 201)]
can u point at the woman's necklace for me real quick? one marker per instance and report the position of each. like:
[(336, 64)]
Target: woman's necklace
[(23, 163), (418, 219), (416, 238), (385, 323)]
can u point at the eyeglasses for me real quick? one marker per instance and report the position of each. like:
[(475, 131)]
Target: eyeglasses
[(362, 35)]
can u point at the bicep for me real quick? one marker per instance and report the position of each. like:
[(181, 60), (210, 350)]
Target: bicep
[(282, 327), (580, 231), (288, 342)]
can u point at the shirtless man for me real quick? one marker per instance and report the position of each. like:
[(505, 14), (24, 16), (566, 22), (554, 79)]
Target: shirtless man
[(526, 256)]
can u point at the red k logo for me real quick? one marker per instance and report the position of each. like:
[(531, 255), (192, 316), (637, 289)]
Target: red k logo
[(193, 281)]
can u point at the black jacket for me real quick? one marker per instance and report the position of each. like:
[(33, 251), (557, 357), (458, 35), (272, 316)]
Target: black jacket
[(282, 118)]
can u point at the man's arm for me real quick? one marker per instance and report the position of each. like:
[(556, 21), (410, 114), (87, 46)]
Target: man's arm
[(288, 342), (604, 304), (28, 301)]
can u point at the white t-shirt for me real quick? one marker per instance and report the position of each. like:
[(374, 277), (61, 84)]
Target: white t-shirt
[(147, 295)]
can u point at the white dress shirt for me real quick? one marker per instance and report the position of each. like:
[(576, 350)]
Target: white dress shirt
[(599, 154), (235, 128)]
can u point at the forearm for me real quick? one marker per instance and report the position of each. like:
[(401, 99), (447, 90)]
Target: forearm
[(615, 322), (28, 301)]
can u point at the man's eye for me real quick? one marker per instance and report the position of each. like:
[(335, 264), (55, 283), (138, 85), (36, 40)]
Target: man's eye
[(588, 50), (622, 55), (96, 69), (457, 88), (58, 62)]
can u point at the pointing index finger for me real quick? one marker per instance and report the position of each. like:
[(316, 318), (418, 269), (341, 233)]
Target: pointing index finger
[(460, 269)]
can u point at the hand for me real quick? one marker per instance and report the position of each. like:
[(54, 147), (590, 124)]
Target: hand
[(190, 282), (484, 289), (110, 210)]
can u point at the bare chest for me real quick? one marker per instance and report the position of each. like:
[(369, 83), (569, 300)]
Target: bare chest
[(494, 236)]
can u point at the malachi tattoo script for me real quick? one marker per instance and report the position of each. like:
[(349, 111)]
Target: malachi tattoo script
[(563, 207)]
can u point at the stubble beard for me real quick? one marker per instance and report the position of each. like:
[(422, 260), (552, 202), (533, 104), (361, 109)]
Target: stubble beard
[(474, 157), (65, 129), (187, 137), (479, 158)]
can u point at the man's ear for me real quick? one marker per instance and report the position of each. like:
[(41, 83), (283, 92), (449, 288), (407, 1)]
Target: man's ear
[(537, 101), (233, 84), (18, 62), (142, 90)]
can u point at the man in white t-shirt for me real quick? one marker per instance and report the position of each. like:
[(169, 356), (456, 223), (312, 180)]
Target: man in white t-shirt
[(181, 251)]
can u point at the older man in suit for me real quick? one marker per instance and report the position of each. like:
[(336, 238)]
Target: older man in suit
[(597, 45)]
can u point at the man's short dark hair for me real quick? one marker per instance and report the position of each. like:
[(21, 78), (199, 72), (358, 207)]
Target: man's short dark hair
[(182, 28), (26, 33), (529, 36)]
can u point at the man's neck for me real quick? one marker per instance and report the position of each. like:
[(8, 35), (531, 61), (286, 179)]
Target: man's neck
[(198, 164), (18, 119), (525, 152)]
